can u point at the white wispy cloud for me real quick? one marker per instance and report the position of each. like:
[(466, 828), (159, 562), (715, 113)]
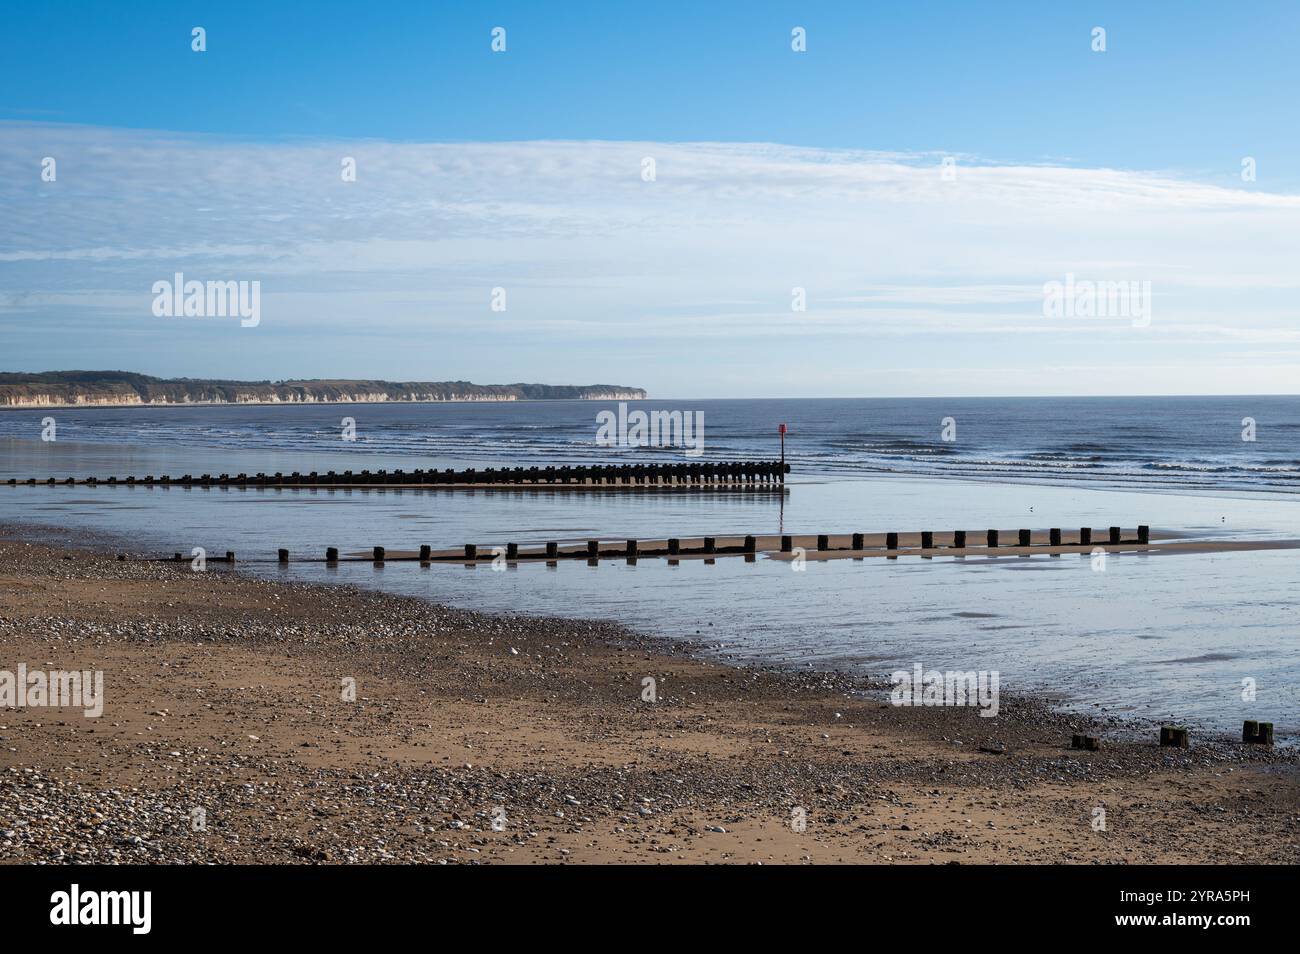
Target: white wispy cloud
[(885, 246)]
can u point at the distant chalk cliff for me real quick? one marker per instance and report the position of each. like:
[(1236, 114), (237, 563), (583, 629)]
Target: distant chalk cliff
[(124, 389)]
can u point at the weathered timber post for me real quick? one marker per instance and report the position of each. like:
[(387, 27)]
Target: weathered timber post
[(1257, 733)]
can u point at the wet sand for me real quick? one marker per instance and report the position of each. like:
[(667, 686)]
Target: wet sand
[(224, 693)]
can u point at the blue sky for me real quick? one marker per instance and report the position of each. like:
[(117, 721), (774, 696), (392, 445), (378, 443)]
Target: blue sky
[(774, 170)]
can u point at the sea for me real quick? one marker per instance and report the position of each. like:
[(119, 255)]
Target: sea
[(1207, 639)]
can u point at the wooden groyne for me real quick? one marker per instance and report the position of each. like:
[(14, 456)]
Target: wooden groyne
[(787, 546), (745, 475)]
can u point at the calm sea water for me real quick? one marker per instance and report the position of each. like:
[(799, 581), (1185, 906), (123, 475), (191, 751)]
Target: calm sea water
[(1161, 443), (1170, 636)]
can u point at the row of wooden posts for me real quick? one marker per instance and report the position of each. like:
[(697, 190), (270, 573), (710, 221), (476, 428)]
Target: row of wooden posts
[(1178, 737), (733, 473), (708, 546), (593, 550), (992, 539)]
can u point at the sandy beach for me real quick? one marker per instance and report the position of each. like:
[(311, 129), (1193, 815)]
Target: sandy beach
[(477, 738)]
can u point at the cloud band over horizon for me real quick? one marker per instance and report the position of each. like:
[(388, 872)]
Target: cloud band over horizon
[(915, 282)]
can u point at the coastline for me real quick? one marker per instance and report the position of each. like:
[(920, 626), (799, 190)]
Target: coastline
[(181, 404), (223, 693)]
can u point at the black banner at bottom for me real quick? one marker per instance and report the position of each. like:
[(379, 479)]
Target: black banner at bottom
[(141, 904)]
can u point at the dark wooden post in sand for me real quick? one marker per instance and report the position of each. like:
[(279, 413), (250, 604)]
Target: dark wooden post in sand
[(959, 539), (512, 551), (751, 544), (284, 555), (379, 554), (425, 551), (593, 549), (1023, 538), (552, 548), (993, 538), (710, 544), (230, 556), (674, 546), (857, 543), (1054, 536), (471, 551), (331, 554), (1144, 534), (631, 548), (1175, 736), (1257, 733), (823, 542), (787, 544), (1085, 536), (1114, 535), (927, 539), (891, 541)]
